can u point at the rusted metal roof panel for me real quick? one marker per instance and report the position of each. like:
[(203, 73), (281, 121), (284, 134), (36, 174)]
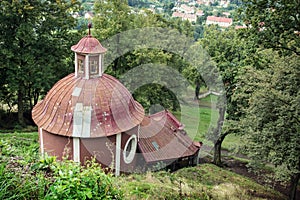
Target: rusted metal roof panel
[(161, 138), (98, 107), (88, 45)]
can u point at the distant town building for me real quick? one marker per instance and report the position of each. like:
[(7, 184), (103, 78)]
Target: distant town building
[(178, 14), (185, 16), (151, 10), (187, 9), (205, 2), (224, 4), (190, 17), (199, 13), (221, 21)]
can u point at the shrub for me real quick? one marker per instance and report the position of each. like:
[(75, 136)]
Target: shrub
[(73, 181)]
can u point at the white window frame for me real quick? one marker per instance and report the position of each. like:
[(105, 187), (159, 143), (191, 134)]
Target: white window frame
[(129, 156)]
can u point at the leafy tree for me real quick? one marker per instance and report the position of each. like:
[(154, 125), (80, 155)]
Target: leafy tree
[(271, 121), (202, 67), (273, 24), (230, 53), (115, 17), (111, 18), (35, 38), (271, 92)]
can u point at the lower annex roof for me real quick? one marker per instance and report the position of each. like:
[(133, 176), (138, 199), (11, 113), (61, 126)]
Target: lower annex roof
[(162, 138)]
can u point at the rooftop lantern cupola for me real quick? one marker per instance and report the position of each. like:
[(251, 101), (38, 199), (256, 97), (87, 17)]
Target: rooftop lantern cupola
[(89, 55)]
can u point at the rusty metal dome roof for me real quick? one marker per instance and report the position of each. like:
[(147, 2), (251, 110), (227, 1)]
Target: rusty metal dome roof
[(88, 45), (88, 108)]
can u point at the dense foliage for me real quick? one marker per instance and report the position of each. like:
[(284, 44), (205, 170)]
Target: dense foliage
[(270, 91), (274, 24), (35, 40), (271, 123)]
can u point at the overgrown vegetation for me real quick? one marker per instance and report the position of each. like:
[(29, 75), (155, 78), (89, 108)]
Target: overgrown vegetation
[(26, 175)]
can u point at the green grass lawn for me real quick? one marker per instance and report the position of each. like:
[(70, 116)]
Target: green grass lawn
[(201, 117)]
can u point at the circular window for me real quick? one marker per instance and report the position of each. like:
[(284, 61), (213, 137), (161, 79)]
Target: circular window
[(130, 149)]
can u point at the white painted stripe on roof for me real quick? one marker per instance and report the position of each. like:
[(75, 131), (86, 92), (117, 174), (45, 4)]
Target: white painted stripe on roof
[(76, 92), (77, 120), (87, 116)]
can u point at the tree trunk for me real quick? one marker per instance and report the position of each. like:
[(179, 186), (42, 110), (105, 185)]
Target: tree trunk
[(30, 99), (217, 150), (36, 95), (217, 153), (197, 90), (21, 106), (294, 184), (220, 137)]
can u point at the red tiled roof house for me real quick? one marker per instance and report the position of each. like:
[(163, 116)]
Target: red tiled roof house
[(221, 21)]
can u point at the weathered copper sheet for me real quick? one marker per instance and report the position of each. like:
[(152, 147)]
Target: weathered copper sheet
[(161, 138), (88, 45), (107, 107)]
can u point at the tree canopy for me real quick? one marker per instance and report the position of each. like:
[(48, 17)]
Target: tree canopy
[(35, 38), (271, 124), (268, 90), (114, 19), (273, 24)]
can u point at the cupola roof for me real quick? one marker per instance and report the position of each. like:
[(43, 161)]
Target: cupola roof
[(88, 45)]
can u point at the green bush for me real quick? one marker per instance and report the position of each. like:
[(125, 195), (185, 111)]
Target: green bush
[(25, 175), (73, 181)]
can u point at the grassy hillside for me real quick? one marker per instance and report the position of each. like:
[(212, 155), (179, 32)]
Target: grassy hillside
[(25, 175), (205, 181), (201, 116)]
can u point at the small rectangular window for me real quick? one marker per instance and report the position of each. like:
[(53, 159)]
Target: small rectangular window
[(80, 66), (93, 64), (156, 146)]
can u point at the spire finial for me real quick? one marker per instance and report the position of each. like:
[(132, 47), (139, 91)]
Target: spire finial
[(89, 26)]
